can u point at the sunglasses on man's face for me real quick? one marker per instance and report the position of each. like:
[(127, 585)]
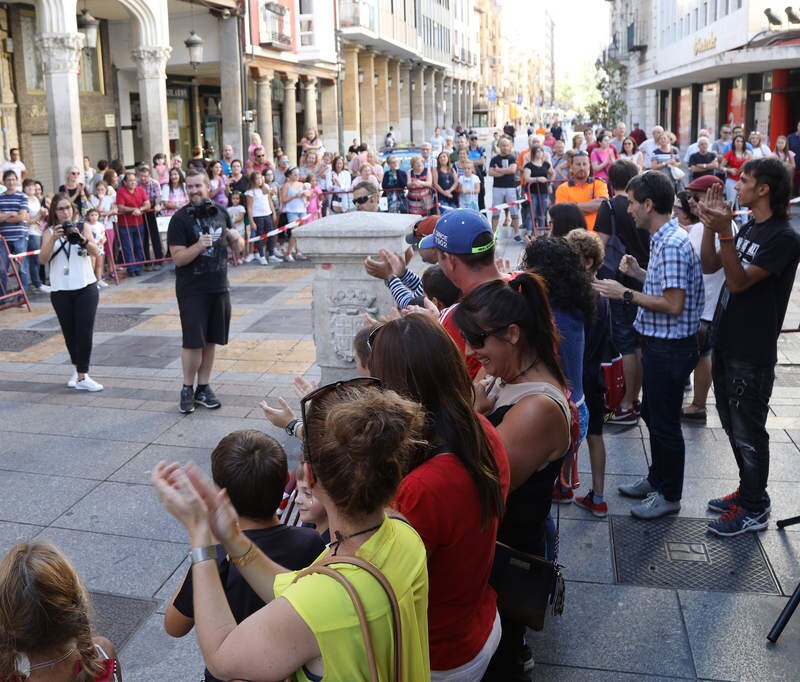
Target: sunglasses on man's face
[(362, 200), (476, 340), (317, 393)]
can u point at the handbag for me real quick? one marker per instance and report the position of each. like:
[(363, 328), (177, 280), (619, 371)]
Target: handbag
[(615, 249), (677, 172), (615, 382), (325, 568)]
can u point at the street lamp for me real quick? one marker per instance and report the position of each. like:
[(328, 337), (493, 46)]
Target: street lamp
[(194, 43), (87, 25)]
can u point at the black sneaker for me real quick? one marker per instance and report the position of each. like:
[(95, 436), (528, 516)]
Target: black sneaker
[(206, 398), (187, 400)]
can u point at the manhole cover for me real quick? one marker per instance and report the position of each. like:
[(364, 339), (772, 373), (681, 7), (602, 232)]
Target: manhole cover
[(117, 617), (17, 340), (680, 553)]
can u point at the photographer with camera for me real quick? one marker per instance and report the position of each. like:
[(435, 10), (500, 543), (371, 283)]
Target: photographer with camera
[(67, 247), (198, 236)]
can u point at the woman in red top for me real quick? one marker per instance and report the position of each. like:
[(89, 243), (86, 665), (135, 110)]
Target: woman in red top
[(453, 495), (44, 621), (732, 162)]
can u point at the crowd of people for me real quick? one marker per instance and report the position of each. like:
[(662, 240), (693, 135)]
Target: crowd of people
[(461, 429)]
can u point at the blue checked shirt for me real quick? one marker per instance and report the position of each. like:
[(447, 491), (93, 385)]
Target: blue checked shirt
[(673, 265)]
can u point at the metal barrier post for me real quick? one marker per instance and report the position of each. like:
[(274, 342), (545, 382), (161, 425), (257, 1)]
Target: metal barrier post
[(13, 297)]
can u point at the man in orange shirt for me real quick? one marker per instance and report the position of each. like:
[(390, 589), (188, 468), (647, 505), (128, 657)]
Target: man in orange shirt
[(583, 190)]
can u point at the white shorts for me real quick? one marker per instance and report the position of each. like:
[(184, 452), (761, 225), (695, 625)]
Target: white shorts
[(472, 671), (506, 195)]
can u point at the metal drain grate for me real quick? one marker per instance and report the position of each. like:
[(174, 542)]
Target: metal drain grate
[(118, 617), (680, 553)]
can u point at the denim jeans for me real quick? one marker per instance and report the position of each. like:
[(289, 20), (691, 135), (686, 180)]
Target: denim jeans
[(19, 245), (131, 239), (742, 394), (666, 365), (34, 242)]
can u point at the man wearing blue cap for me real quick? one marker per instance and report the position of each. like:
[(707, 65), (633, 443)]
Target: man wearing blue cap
[(464, 241)]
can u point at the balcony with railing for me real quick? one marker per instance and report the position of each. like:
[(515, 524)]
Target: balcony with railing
[(355, 14)]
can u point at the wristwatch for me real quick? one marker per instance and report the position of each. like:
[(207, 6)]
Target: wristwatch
[(199, 554), (291, 426), (627, 297)]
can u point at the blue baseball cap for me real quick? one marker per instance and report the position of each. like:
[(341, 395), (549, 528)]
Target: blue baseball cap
[(456, 232)]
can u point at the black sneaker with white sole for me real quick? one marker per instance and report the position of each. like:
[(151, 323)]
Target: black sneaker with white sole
[(187, 400), (205, 397)]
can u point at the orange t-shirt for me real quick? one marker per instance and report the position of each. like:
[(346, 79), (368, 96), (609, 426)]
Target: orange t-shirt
[(597, 189)]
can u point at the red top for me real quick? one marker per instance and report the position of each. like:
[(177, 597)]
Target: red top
[(449, 324), (133, 200), (440, 500), (734, 162)]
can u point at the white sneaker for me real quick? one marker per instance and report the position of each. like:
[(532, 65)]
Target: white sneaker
[(290, 258), (73, 380), (275, 259), (43, 288), (101, 284), (279, 252), (249, 258), (88, 384), (262, 260)]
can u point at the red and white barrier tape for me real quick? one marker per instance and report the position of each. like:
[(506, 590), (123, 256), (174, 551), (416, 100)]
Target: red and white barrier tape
[(500, 207), (19, 256), (278, 230)]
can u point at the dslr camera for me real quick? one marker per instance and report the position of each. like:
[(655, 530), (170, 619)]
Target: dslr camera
[(72, 232), (205, 209)]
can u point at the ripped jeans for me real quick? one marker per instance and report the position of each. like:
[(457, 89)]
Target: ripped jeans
[(742, 393)]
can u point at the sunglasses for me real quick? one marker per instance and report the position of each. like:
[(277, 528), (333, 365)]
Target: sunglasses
[(317, 393), (579, 153), (478, 339), (362, 200), (372, 336)]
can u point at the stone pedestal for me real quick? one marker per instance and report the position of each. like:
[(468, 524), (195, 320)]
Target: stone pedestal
[(61, 54), (230, 80), (342, 290), (151, 63)]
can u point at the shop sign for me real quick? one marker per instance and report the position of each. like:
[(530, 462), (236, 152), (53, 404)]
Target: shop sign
[(705, 44), (177, 92), (173, 129)]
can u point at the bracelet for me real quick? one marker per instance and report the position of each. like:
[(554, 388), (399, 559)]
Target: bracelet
[(729, 238), (246, 558), (200, 554), (291, 426)]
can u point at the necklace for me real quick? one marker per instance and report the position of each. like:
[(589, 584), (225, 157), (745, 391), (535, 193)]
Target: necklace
[(52, 662), (341, 538), (524, 371)]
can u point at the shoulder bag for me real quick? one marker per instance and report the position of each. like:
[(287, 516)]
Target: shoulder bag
[(325, 568), (615, 249)]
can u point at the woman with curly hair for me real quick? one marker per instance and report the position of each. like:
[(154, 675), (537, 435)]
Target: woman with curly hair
[(569, 291), (44, 621)]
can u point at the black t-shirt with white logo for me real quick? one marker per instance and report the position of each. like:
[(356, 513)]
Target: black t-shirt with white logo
[(504, 162), (208, 273), (750, 321)]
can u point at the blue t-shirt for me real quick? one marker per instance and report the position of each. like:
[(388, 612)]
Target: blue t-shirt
[(569, 326)]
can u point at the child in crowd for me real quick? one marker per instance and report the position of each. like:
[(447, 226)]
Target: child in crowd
[(314, 205), (237, 212), (255, 141), (106, 207), (252, 467), (99, 233), (160, 169), (469, 187), (312, 513)]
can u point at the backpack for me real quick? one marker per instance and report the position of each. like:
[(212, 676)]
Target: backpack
[(615, 249)]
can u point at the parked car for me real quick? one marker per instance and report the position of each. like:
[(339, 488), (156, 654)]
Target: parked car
[(405, 154)]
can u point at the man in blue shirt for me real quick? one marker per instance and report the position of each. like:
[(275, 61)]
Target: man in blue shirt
[(13, 228), (669, 305)]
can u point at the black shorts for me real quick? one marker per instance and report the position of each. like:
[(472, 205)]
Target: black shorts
[(594, 392), (205, 318)]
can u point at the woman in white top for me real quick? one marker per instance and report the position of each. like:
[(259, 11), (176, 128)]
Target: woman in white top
[(260, 211), (173, 193), (340, 184), (73, 286), (630, 152), (760, 150)]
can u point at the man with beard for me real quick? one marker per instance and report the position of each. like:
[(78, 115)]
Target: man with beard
[(583, 190), (199, 235)]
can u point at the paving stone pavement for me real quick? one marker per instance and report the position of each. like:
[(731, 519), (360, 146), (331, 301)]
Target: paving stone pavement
[(74, 469)]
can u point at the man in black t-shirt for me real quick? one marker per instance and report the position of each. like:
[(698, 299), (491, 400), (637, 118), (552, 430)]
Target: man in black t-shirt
[(760, 263), (613, 217), (198, 236), (503, 169), (556, 130), (703, 161)]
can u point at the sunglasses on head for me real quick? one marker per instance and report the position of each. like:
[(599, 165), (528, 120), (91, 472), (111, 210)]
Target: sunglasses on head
[(372, 336), (317, 393), (476, 340)]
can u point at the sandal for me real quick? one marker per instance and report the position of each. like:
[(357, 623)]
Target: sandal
[(300, 256)]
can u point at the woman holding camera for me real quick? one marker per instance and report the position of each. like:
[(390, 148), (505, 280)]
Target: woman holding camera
[(67, 248)]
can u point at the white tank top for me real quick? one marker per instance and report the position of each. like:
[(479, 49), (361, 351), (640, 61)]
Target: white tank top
[(68, 270)]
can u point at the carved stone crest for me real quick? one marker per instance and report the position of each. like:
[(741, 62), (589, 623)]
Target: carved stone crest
[(347, 317)]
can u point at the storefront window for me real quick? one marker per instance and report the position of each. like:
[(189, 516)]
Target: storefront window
[(179, 120)]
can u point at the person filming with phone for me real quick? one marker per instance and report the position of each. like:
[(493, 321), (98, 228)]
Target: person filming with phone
[(67, 246)]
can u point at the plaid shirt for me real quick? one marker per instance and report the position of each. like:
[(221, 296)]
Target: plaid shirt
[(673, 265), (153, 191)]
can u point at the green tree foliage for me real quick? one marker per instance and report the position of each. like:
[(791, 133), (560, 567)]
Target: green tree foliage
[(610, 106)]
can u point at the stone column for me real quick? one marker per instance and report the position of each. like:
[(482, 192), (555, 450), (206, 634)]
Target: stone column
[(330, 114), (230, 79), (430, 101), (394, 100), (382, 118), (419, 132), (351, 102), (151, 63), (470, 103), (264, 112), (404, 97), (342, 292), (310, 105), (290, 139), (61, 56), (456, 97), (366, 90), (441, 118), (464, 104)]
